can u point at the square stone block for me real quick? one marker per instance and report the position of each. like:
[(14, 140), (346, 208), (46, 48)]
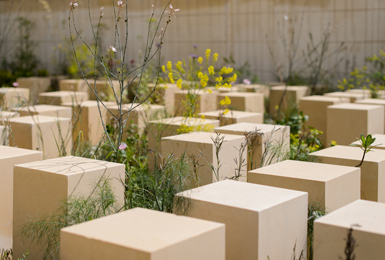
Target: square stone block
[(158, 129), (372, 170), (366, 93), (233, 117), (73, 85), (315, 107), (293, 95), (164, 94), (10, 156), (41, 187), (205, 101), (353, 97), (144, 234), (201, 145), (372, 101), (329, 186), (261, 221), (379, 143), (225, 90), (263, 138), (331, 231), (140, 116), (6, 115), (258, 88), (86, 119), (44, 110), (242, 101), (35, 85), (29, 131), (13, 97), (346, 122), (59, 97), (104, 89)]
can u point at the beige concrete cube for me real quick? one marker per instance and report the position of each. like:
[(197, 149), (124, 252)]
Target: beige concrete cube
[(264, 138), (329, 186), (225, 90), (372, 170), (10, 156), (44, 110), (104, 89), (366, 219), (140, 115), (6, 115), (87, 120), (258, 88), (352, 96), (59, 97), (73, 85), (13, 97), (243, 101), (231, 161), (144, 234), (379, 143), (41, 133), (366, 93), (292, 95), (41, 187), (164, 94), (315, 108), (372, 101), (158, 129), (261, 221), (233, 117), (204, 101), (35, 85), (346, 122)]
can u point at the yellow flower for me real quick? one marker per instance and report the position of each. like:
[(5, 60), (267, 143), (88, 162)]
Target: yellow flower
[(169, 66), (200, 75), (203, 83), (203, 116), (164, 69), (179, 83), (215, 57), (226, 111), (211, 70), (219, 79), (208, 51), (333, 143), (170, 76), (200, 59), (209, 90), (276, 107), (225, 101)]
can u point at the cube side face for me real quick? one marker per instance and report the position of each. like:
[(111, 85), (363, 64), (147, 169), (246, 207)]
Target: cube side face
[(21, 135), (228, 153), (278, 144), (94, 123), (207, 102), (283, 227), (237, 103), (376, 120), (381, 182), (255, 103)]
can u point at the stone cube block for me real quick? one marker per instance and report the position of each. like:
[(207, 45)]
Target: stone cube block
[(104, 89), (35, 85), (243, 101), (346, 122), (353, 97), (372, 101), (6, 115), (78, 85), (164, 94), (13, 97), (44, 110), (292, 95), (42, 133), (231, 161), (233, 117), (372, 170), (144, 234), (315, 108), (366, 220), (264, 139), (329, 186), (258, 88), (367, 93), (59, 97), (10, 156), (204, 101), (41, 187), (261, 222)]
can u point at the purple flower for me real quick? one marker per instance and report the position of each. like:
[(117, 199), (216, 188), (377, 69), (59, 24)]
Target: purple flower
[(15, 84), (122, 146), (193, 56), (195, 46), (246, 81)]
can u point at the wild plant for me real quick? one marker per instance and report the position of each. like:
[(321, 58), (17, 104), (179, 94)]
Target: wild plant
[(8, 255), (240, 161), (275, 149), (350, 245), (218, 141), (366, 145), (315, 211)]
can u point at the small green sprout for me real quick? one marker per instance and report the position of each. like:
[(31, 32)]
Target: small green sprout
[(365, 145)]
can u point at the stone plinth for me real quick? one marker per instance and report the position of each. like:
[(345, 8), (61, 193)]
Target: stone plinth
[(10, 156), (243, 101), (366, 219), (29, 131), (264, 139), (366, 93), (104, 89), (379, 143), (258, 88), (353, 97), (329, 186), (35, 85), (73, 85), (6, 115), (170, 126), (41, 187), (292, 96), (233, 117), (346, 122), (153, 235), (261, 221), (13, 97), (372, 101), (45, 110), (59, 97), (315, 107), (164, 94), (372, 170), (201, 145), (205, 101)]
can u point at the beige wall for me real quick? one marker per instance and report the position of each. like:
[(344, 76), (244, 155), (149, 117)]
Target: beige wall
[(237, 27)]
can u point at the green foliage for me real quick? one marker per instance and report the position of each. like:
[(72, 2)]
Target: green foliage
[(86, 61), (365, 145), (8, 255), (6, 78), (314, 212)]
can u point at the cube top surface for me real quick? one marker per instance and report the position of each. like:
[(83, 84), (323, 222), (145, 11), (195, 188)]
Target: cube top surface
[(290, 88), (305, 170), (249, 127), (142, 107), (231, 114), (88, 103), (201, 137), (323, 99), (344, 94), (39, 108), (374, 101), (12, 90), (199, 93), (350, 153), (143, 229), (242, 195), (368, 214), (380, 141), (240, 94), (162, 85), (62, 93), (69, 165), (9, 152), (354, 106), (37, 119), (7, 114), (250, 85), (182, 120)]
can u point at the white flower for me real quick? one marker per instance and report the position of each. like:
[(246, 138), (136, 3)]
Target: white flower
[(73, 5), (286, 17), (172, 11), (120, 4), (101, 11), (112, 48)]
